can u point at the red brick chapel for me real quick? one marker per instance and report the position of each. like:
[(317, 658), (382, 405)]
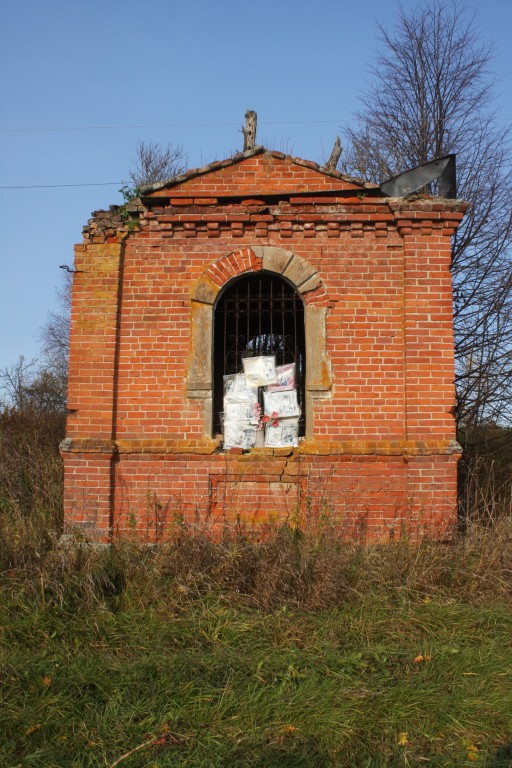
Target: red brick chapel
[(254, 266)]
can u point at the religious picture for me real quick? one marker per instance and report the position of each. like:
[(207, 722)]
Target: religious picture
[(283, 403), (239, 434), (239, 412), (260, 371), (284, 435), (285, 378), (237, 390), (229, 388)]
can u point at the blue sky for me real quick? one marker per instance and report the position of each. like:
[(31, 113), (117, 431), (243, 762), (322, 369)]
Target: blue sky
[(81, 82)]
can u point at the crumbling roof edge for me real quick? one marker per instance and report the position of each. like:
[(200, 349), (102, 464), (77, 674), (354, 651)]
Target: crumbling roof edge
[(418, 201), (239, 156)]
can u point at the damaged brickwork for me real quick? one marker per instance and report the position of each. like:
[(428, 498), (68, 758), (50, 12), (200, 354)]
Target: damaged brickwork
[(379, 454)]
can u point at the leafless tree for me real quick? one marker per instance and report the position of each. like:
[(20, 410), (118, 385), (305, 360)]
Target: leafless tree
[(156, 162), (40, 386), (47, 386), (29, 389), (431, 94), (54, 334), (14, 381)]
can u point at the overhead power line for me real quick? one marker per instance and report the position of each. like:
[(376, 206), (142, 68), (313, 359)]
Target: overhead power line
[(162, 125), (42, 129), (57, 186)]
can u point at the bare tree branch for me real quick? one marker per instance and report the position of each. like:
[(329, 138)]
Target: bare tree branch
[(54, 334), (28, 389), (14, 381), (431, 95), (156, 162)]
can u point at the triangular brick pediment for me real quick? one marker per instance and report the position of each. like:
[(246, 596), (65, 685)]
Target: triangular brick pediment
[(255, 173)]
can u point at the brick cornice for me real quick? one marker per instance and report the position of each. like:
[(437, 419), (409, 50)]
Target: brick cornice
[(426, 214), (312, 216)]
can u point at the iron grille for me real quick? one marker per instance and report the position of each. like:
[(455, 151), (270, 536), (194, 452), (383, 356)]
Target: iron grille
[(259, 314)]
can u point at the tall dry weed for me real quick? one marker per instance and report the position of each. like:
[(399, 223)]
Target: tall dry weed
[(288, 569), (31, 481), (313, 568), (485, 475)]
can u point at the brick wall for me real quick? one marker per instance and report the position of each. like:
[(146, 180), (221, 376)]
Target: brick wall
[(374, 274)]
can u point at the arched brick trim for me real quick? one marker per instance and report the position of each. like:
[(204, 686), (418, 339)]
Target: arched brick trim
[(298, 272), (308, 283)]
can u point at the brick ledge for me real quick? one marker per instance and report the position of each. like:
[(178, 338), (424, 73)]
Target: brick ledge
[(307, 447)]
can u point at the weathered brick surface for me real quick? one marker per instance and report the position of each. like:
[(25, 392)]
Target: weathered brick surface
[(374, 274)]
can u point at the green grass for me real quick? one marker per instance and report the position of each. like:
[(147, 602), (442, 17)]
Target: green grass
[(233, 654), (299, 650)]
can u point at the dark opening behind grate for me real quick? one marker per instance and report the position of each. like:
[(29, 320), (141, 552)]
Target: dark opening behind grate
[(259, 314)]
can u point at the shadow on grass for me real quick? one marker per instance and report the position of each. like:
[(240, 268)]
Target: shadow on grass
[(502, 758)]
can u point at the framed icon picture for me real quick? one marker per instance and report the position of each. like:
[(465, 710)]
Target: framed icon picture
[(284, 435), (260, 371), (239, 434), (285, 404), (240, 412), (285, 378), (237, 389)]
